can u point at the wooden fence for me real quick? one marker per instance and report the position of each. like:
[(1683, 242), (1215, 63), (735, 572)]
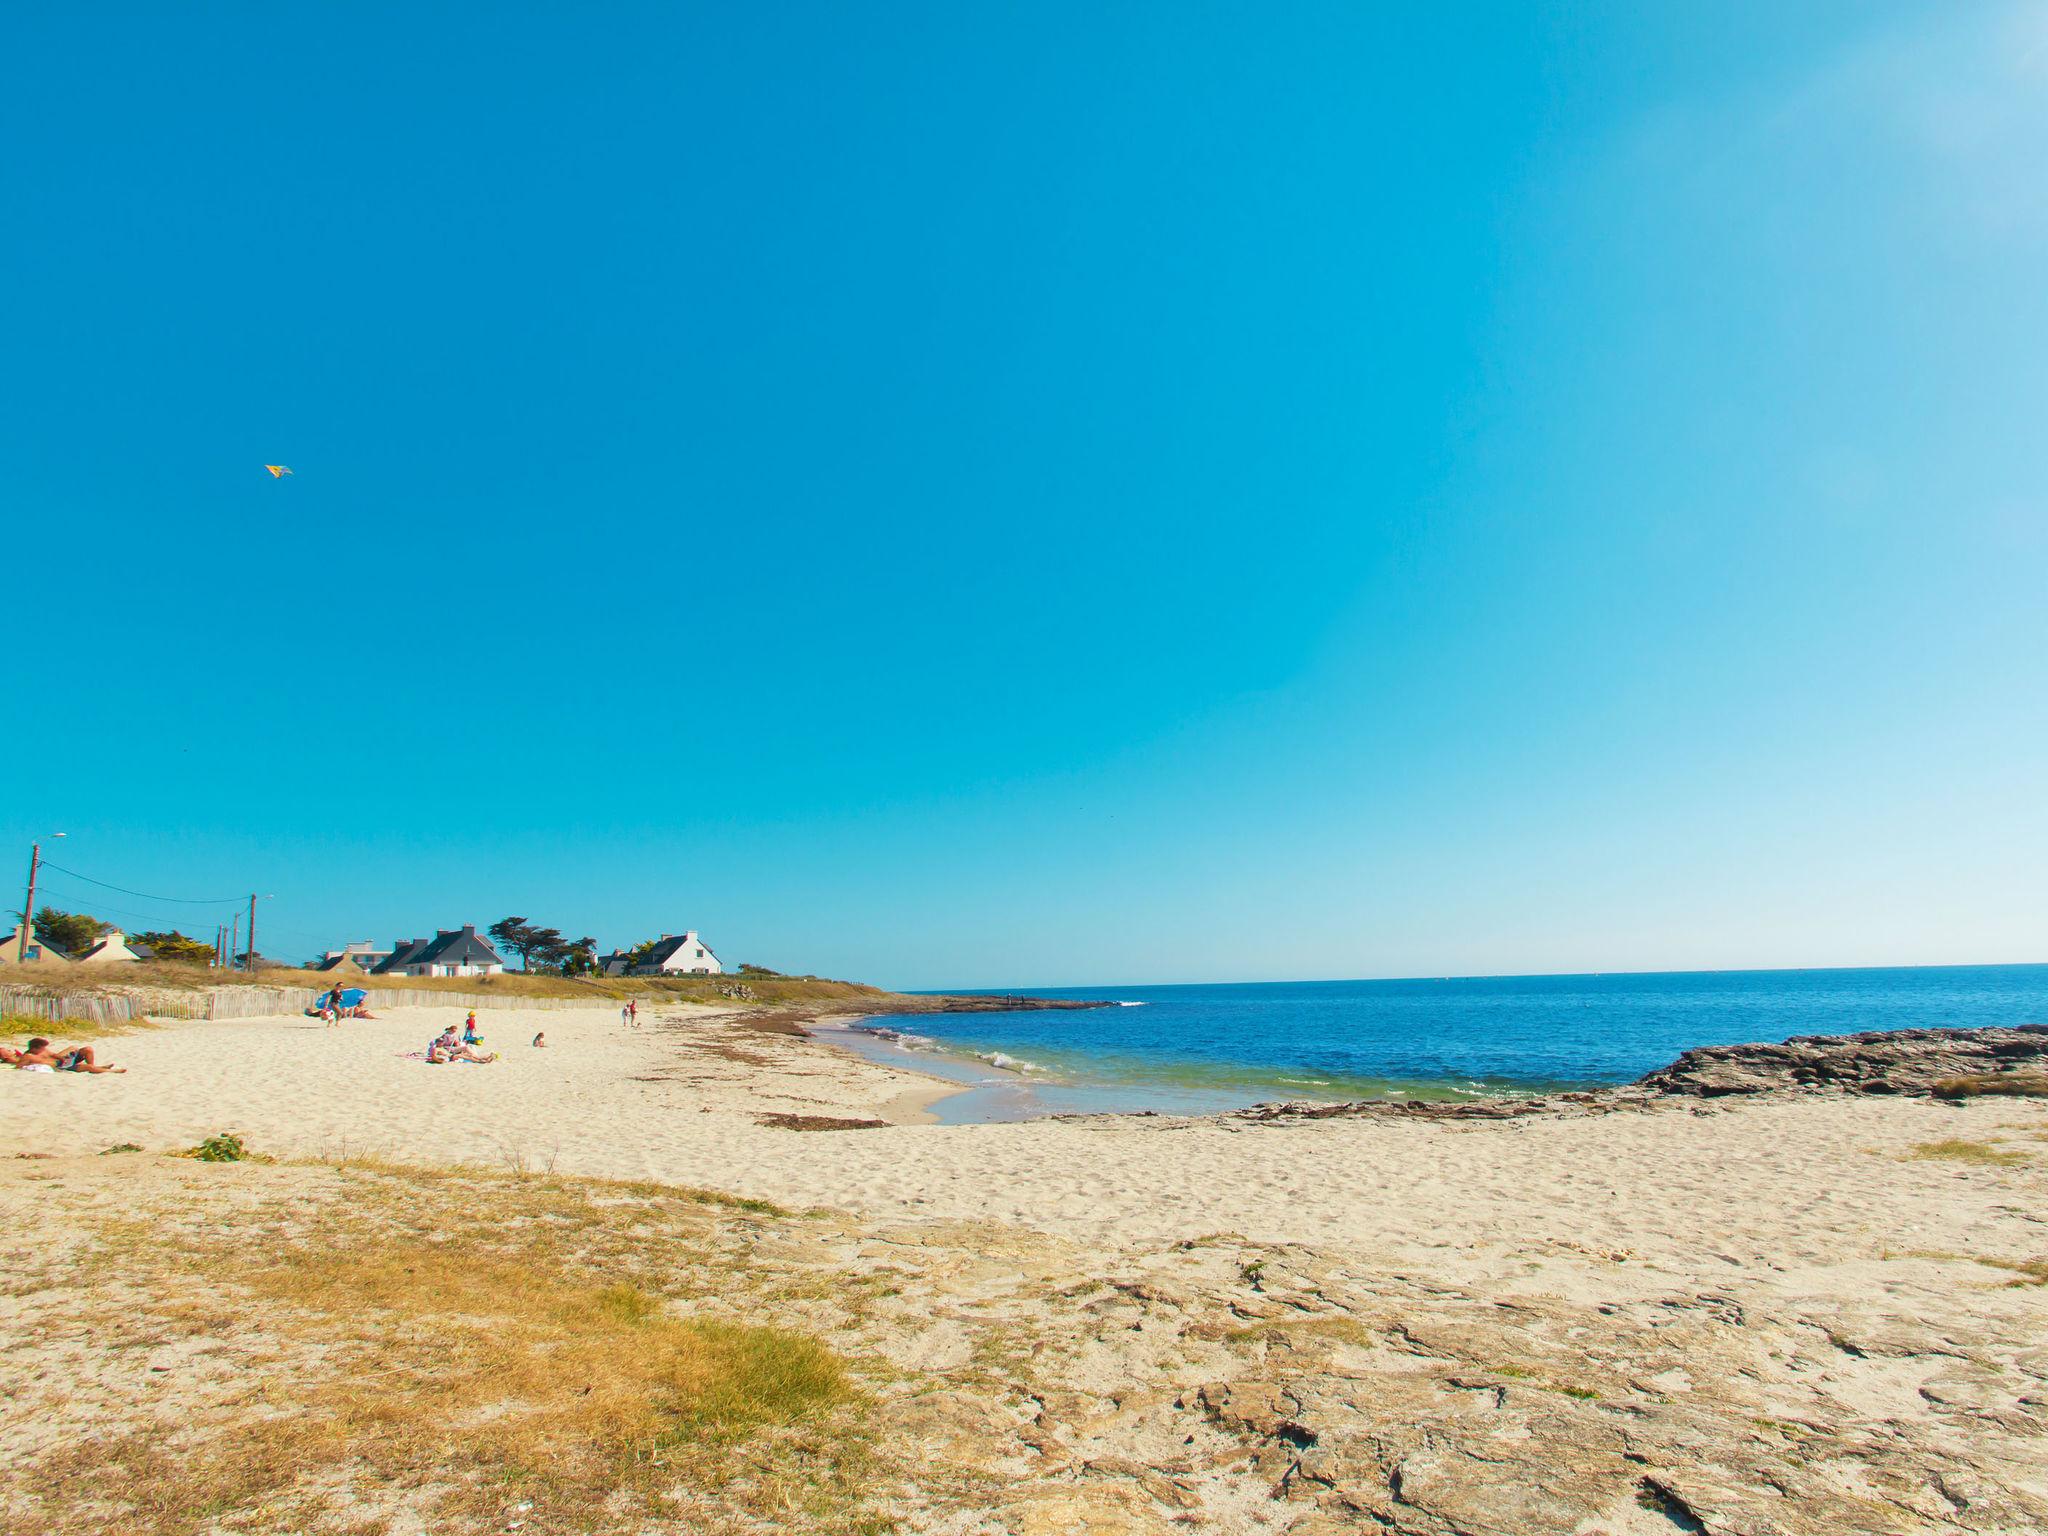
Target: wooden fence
[(103, 1006)]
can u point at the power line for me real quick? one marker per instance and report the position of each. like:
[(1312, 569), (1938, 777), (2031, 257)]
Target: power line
[(146, 917), (183, 901)]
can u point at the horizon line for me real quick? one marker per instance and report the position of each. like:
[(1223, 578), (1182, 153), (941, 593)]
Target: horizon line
[(1311, 981)]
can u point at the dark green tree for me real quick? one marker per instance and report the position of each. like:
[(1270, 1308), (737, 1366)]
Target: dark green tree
[(533, 944), (580, 958), (175, 946), (516, 935), (545, 948), (71, 932)]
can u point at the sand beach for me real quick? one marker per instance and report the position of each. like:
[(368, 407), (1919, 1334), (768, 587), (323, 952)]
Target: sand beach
[(1782, 1314)]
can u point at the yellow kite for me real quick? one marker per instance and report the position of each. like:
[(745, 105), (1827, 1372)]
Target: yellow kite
[(278, 471)]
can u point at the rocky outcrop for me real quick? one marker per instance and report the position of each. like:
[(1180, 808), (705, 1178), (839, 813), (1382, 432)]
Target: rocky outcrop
[(1906, 1061), (1950, 1063)]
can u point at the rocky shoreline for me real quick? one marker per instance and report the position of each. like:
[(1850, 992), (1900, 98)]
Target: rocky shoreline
[(1945, 1063)]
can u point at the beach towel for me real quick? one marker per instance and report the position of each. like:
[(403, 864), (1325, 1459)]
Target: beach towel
[(35, 1067)]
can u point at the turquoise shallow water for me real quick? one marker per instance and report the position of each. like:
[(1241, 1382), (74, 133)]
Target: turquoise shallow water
[(1199, 1049)]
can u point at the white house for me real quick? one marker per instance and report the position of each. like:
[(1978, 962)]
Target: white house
[(450, 952), (680, 954), (110, 948)]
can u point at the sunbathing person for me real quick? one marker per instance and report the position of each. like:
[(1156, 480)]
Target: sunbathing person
[(448, 1047), (40, 1053)]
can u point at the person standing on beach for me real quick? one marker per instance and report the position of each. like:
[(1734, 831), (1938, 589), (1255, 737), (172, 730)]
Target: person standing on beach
[(633, 1012), (625, 1013)]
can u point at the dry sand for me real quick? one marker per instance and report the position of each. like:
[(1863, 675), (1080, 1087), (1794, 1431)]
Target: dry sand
[(1863, 1282)]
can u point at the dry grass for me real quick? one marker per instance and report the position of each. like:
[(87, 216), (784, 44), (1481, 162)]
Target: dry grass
[(466, 1351), (2001, 1085), (808, 994), (1968, 1152), (66, 1031), (2030, 1271)]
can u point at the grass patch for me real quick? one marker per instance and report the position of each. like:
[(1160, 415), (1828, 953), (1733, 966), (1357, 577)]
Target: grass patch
[(1997, 1085), (67, 1031), (2030, 1271), (1336, 1330), (419, 1353), (1968, 1152)]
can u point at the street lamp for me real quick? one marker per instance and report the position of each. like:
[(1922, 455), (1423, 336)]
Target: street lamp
[(28, 907)]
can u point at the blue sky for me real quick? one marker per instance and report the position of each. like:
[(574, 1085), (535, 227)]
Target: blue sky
[(960, 495)]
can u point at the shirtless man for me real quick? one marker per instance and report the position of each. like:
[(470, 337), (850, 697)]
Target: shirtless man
[(40, 1053)]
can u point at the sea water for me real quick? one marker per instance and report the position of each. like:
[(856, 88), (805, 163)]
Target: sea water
[(1201, 1049)]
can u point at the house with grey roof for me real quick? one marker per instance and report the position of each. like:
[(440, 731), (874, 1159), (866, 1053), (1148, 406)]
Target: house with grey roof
[(450, 952)]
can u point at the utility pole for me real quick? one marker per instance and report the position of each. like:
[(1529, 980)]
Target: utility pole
[(234, 929), (251, 966), (28, 907)]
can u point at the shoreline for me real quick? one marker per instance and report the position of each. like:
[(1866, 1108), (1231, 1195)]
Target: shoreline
[(1906, 1061)]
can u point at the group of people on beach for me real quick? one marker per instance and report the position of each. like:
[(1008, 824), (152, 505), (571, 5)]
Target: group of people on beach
[(334, 1006), (41, 1056), (450, 1046)]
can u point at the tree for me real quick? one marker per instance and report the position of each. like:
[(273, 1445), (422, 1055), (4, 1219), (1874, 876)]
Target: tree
[(175, 946), (580, 958), (528, 942), (516, 935), (70, 932), (546, 948)]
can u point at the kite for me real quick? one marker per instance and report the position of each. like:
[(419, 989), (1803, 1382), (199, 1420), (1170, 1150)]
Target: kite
[(278, 471)]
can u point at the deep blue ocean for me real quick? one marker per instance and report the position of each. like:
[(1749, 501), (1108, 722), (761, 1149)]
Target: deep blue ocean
[(1206, 1048)]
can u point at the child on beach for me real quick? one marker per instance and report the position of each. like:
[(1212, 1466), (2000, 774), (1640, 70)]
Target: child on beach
[(469, 1034), (540, 1040)]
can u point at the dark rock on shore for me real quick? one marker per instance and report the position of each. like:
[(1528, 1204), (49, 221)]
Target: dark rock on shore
[(1000, 1004), (1904, 1061)]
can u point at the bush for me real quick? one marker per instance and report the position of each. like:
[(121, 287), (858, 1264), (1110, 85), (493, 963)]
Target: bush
[(225, 1147)]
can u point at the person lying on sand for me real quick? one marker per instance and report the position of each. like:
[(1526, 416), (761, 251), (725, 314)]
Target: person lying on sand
[(40, 1053), (448, 1047)]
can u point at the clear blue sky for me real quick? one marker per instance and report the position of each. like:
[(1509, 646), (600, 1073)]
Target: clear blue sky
[(960, 494)]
